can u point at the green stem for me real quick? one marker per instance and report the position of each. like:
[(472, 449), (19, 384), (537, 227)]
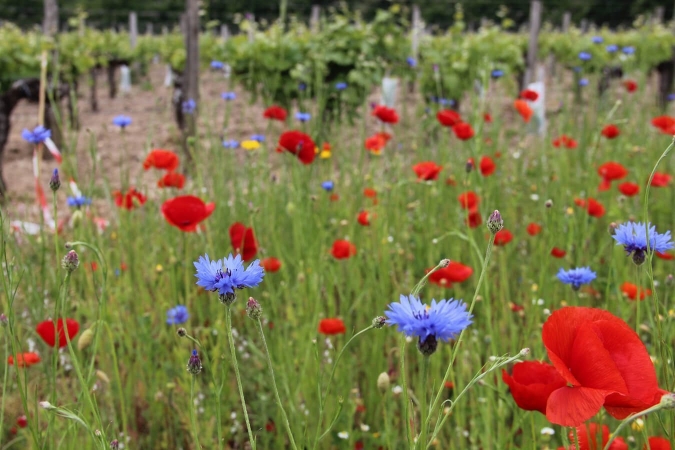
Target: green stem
[(274, 385), (624, 423), (4, 382), (233, 351), (422, 440), (193, 422), (406, 396)]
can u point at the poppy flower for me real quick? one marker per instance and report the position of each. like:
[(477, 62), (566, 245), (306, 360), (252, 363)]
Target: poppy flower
[(129, 200), (334, 197), (565, 141), (664, 123), (364, 218), (487, 166), (603, 362), (427, 170), (375, 143), (332, 326), (665, 256), (48, 331), (270, 264), (503, 237), (629, 189), (558, 252), (529, 94), (610, 131), (454, 273), (487, 118), (592, 206), (474, 219), (369, 192), (661, 179), (161, 159), (588, 438), (531, 383), (275, 112), (26, 359), (468, 200), (609, 172), (22, 421), (172, 179), (631, 291), (533, 229), (186, 211), (343, 249), (630, 85), (299, 144), (463, 131), (658, 443), (243, 241), (385, 114), (448, 117), (523, 109)]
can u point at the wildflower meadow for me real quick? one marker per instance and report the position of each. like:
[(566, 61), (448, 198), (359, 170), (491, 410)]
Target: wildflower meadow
[(340, 241)]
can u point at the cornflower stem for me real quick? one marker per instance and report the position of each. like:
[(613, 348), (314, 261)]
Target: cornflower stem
[(56, 231), (5, 377), (322, 398), (637, 300), (422, 440), (233, 351), (455, 350), (387, 419), (624, 423), (406, 396), (420, 284), (113, 352), (193, 422), (274, 385)]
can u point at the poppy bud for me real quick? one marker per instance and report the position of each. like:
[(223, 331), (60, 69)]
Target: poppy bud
[(182, 332), (429, 346), (548, 203), (253, 309), (469, 166), (55, 181), (444, 263), (495, 222), (379, 321), (194, 365), (3, 320), (85, 339), (114, 444), (71, 261), (668, 400), (383, 382)]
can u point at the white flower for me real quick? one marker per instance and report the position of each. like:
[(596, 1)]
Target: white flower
[(397, 390), (365, 427), (548, 431), (343, 435)]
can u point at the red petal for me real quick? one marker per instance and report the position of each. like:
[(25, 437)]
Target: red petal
[(572, 406)]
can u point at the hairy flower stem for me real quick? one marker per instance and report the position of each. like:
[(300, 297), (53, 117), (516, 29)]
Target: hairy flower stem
[(193, 422), (422, 440), (233, 351), (274, 385)]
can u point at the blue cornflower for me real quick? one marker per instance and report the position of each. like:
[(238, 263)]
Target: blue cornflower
[(341, 86), (576, 69), (258, 137), (633, 237), (189, 106), (122, 121), (302, 116), (328, 185), (583, 82), (611, 48), (446, 102), (576, 277), (412, 62), (585, 56), (217, 65), (442, 320), (597, 39), (230, 143), (177, 315), (228, 95), (226, 275), (39, 134), (210, 275), (628, 50), (79, 201), (497, 73), (671, 97), (302, 86), (243, 278)]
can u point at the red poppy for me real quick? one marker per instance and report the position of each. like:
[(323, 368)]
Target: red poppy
[(468, 200), (661, 179), (474, 219), (533, 229), (529, 94), (630, 85), (22, 421), (243, 241), (161, 159), (503, 237), (427, 170), (463, 131), (603, 362), (565, 141), (332, 326), (666, 256), (658, 443), (364, 218), (334, 197), (299, 144), (448, 117), (592, 206), (588, 438), (609, 172), (629, 189), (558, 252), (270, 427), (515, 307), (610, 131), (343, 249), (631, 291), (487, 166), (186, 211), (26, 359), (665, 123), (130, 200), (48, 331), (523, 109), (270, 264), (385, 114), (454, 273), (531, 383), (487, 117), (369, 192), (275, 112), (172, 179)]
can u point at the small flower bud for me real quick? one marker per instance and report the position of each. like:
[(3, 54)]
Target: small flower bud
[(85, 339), (379, 321), (114, 444), (55, 181), (548, 203), (227, 299), (3, 320), (71, 261), (383, 382), (182, 332), (194, 365), (525, 352), (253, 309), (668, 400), (612, 226), (469, 166), (669, 282), (46, 405), (429, 346), (495, 222), (444, 263), (97, 433)]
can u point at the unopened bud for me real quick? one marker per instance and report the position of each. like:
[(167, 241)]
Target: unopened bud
[(495, 222), (668, 400), (669, 282), (71, 261), (444, 263), (525, 352), (469, 166), (548, 203), (98, 433), (46, 405), (383, 382), (612, 226), (253, 309), (182, 332), (194, 365), (379, 321), (114, 444), (55, 181), (3, 320)]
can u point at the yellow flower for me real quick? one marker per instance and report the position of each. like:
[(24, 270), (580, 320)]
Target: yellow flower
[(159, 268), (325, 154), (570, 211), (250, 145), (638, 425)]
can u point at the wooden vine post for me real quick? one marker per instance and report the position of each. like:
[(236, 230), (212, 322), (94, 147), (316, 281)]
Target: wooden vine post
[(532, 48), (191, 73)]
